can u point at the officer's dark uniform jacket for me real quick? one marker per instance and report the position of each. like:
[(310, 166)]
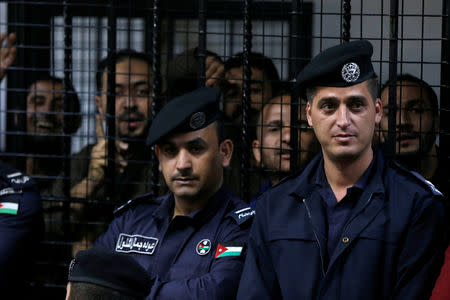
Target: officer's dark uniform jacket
[(391, 246), (179, 253), (21, 226)]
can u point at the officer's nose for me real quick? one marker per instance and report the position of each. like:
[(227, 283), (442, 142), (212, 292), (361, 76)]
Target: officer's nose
[(342, 116), (183, 160)]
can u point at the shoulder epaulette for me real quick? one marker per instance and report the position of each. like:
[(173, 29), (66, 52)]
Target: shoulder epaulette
[(287, 178), (420, 179), (147, 198), (16, 179), (242, 215)]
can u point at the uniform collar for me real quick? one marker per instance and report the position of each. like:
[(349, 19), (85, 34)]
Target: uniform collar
[(200, 216), (372, 179)]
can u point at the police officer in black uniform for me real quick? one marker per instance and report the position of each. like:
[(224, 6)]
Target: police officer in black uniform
[(353, 225), (191, 241), (21, 226)]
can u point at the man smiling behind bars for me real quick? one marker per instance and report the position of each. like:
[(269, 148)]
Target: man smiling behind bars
[(191, 241), (353, 225)]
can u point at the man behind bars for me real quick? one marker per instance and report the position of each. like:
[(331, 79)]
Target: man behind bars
[(352, 225), (133, 104), (417, 124), (273, 146), (192, 240)]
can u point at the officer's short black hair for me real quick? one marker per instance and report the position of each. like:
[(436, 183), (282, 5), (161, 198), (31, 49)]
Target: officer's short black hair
[(73, 118), (116, 58), (257, 61), (84, 290), (432, 97)]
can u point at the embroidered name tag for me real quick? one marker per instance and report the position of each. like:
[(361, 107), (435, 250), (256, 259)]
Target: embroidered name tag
[(136, 243)]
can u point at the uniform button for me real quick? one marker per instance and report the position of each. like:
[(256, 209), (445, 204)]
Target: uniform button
[(345, 240)]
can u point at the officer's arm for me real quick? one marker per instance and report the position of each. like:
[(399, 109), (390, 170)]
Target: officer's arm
[(19, 234), (422, 253), (258, 278), (221, 282)]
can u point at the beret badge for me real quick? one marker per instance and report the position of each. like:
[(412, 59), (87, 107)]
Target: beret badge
[(197, 120), (350, 72)]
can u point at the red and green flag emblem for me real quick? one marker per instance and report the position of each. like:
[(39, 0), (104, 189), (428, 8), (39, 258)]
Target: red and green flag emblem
[(9, 208), (229, 249)]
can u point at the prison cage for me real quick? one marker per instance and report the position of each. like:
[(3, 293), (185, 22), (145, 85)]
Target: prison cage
[(67, 39)]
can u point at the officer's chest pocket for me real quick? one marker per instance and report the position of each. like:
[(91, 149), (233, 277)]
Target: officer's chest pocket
[(190, 264), (294, 253), (380, 230)]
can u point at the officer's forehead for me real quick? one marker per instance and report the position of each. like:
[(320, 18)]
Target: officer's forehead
[(205, 135)]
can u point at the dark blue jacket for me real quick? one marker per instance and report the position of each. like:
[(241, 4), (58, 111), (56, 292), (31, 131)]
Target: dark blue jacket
[(179, 254), (21, 226), (391, 247)]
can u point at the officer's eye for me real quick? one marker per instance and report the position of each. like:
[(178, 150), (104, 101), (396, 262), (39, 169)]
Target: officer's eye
[(356, 105), (328, 107), (196, 149), (169, 150)]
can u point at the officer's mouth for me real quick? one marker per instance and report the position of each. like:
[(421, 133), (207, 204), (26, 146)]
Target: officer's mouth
[(185, 180)]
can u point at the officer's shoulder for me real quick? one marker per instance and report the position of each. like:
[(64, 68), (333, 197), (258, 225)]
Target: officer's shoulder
[(239, 211), (12, 178), (416, 178), (144, 199)]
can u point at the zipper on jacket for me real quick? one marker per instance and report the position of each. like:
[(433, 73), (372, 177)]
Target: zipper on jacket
[(315, 235)]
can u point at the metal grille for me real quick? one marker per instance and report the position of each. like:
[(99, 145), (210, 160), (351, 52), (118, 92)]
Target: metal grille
[(67, 39)]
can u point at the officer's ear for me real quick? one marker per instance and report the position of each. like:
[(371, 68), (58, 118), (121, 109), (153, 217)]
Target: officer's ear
[(225, 152), (157, 151), (308, 113)]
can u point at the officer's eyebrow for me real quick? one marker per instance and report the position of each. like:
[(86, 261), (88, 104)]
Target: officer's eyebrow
[(327, 99), (197, 141)]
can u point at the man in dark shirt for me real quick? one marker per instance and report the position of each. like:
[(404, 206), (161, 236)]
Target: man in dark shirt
[(191, 241)]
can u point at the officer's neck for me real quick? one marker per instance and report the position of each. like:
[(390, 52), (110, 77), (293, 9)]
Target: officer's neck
[(187, 205), (342, 174)]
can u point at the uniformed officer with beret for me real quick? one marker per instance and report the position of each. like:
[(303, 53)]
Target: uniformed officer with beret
[(191, 241), (353, 224), (21, 227), (99, 274)]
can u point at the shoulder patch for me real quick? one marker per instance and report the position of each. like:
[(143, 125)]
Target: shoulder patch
[(242, 215), (431, 186), (18, 179), (421, 179), (133, 202)]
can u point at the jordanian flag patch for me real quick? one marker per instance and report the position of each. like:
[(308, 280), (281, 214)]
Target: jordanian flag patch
[(229, 249), (9, 208)]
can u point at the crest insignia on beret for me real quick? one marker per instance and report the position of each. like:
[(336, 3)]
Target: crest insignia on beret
[(197, 120), (350, 72)]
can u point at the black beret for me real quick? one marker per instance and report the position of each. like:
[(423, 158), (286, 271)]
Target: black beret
[(343, 65), (110, 269), (190, 112)]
